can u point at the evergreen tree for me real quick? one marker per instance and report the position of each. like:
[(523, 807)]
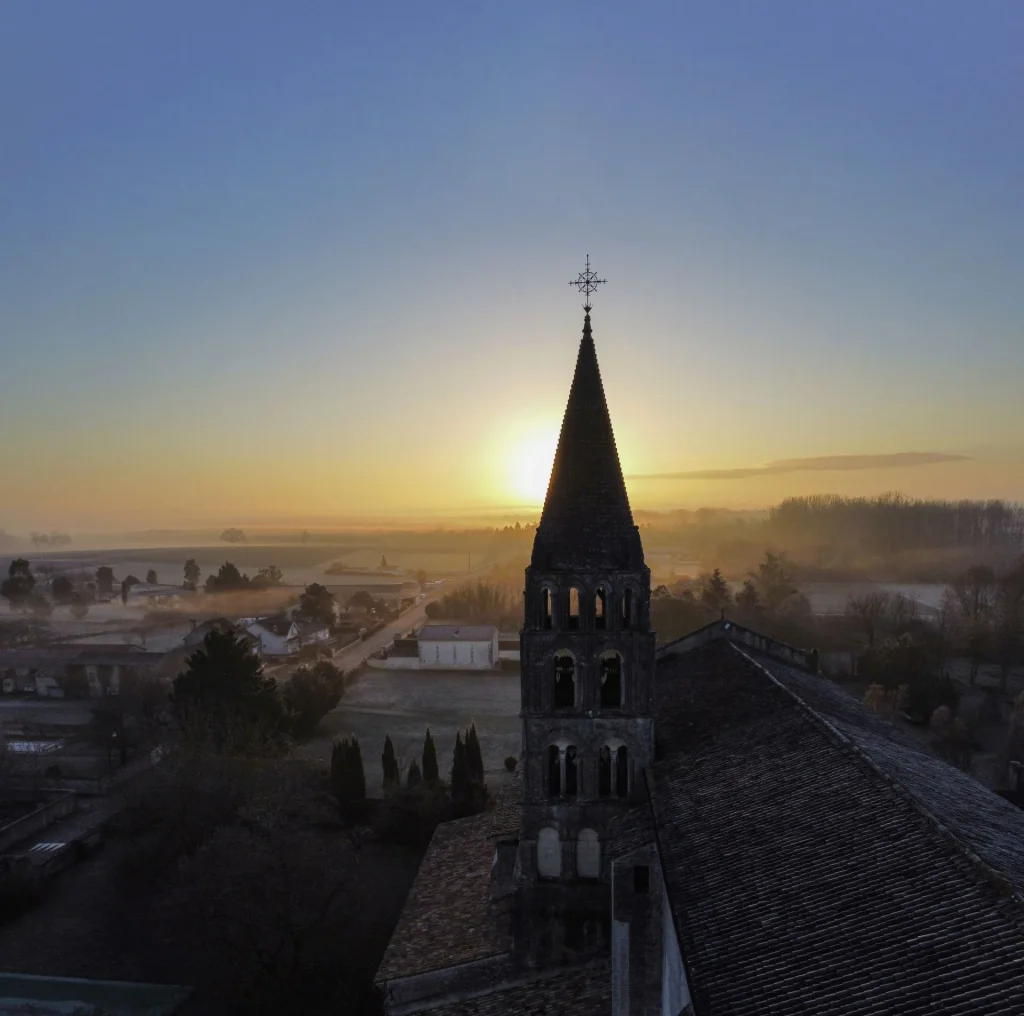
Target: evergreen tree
[(348, 781), (223, 700), (460, 773), (474, 757), (431, 776), (414, 777), (389, 762)]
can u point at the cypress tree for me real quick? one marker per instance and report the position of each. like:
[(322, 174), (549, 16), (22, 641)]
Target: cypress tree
[(431, 776), (389, 762), (348, 782), (413, 778), (460, 774), (358, 776), (474, 757)]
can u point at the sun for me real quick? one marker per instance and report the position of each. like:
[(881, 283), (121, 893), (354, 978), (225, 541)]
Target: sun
[(530, 466)]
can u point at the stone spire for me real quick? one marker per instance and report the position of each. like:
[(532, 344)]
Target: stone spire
[(587, 522)]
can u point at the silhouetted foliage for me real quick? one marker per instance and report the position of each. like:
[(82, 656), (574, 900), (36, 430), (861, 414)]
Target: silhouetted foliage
[(431, 775), (79, 606), (389, 763), (191, 574), (105, 580), (316, 604), (310, 695), (348, 781), (19, 584), (459, 777), (715, 595), (62, 589), (414, 777), (223, 702), (227, 580), (510, 763), (267, 577), (474, 757), (232, 536), (151, 576), (480, 602), (906, 660)]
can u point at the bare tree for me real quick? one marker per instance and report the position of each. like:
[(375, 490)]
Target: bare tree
[(868, 613)]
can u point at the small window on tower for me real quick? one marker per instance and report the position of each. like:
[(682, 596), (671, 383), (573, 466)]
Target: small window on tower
[(571, 772), (554, 771), (601, 610), (564, 691), (627, 608), (547, 613), (611, 680), (622, 772), (574, 609)]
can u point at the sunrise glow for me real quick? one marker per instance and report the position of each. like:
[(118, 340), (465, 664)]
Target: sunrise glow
[(529, 466)]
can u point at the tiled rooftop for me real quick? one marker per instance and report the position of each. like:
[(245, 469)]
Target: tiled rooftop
[(985, 822), (448, 917), (805, 880), (575, 991)]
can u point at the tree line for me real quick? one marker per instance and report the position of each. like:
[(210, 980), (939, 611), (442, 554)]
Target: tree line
[(891, 522)]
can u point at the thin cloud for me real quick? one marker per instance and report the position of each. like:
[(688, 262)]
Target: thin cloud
[(822, 464)]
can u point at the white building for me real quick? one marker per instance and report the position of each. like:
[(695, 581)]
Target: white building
[(458, 647), (278, 634)]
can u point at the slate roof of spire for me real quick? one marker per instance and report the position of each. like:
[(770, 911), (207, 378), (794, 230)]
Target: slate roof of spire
[(586, 520)]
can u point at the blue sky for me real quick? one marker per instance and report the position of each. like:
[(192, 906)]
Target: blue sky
[(336, 238)]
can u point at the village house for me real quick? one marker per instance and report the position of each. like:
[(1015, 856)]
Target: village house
[(221, 624), (57, 671), (278, 634)]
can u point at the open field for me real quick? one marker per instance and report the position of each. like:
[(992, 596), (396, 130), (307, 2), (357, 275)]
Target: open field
[(404, 703)]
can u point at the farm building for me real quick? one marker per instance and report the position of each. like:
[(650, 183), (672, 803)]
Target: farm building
[(458, 647)]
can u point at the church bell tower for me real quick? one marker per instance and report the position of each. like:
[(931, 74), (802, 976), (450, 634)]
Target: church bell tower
[(587, 662)]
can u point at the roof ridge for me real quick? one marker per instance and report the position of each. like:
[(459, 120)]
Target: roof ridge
[(987, 871)]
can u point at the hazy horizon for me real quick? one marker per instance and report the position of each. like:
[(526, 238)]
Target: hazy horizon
[(265, 266)]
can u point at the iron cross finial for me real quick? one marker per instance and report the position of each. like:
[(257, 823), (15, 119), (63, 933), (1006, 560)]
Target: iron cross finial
[(587, 282)]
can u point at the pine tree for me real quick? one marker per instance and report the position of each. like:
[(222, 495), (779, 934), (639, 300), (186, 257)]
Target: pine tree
[(413, 778), (389, 763), (459, 774), (474, 757), (431, 776)]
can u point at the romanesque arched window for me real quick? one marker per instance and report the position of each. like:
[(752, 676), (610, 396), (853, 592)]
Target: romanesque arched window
[(572, 621), (564, 680), (547, 609), (549, 853), (554, 771), (610, 677), (626, 614), (588, 854), (613, 770), (601, 609), (571, 772)]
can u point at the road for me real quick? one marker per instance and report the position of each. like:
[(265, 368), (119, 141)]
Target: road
[(357, 655)]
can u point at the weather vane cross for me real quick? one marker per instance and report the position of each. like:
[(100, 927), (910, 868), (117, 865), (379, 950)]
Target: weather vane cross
[(587, 282)]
